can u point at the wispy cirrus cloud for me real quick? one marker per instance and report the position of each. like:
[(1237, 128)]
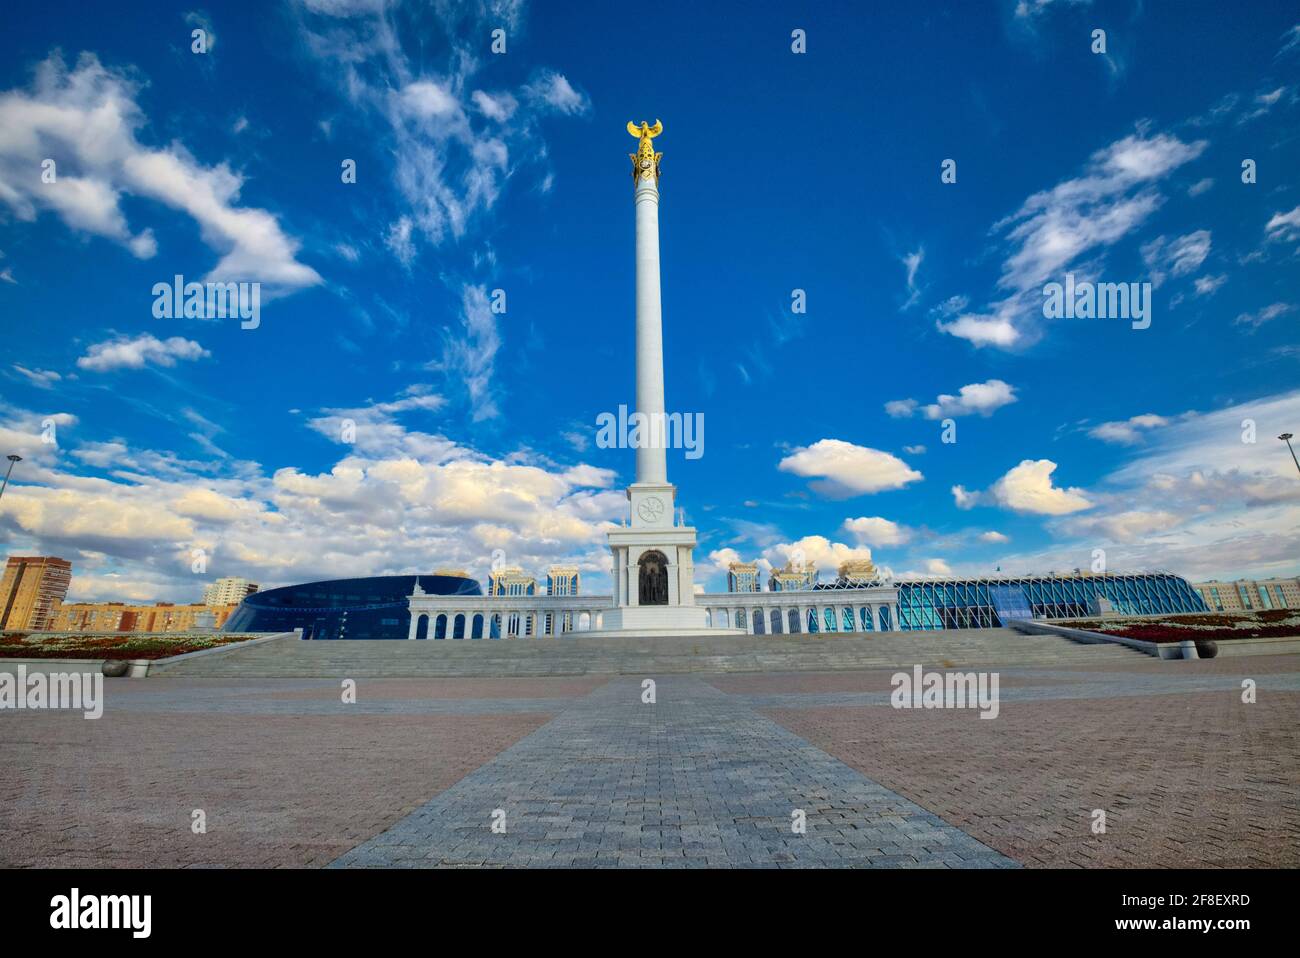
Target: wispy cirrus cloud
[(454, 140), (1057, 228)]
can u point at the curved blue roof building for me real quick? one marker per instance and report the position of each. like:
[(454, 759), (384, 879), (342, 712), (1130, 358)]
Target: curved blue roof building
[(371, 608)]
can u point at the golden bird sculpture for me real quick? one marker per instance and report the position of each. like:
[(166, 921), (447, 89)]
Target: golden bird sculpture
[(645, 161)]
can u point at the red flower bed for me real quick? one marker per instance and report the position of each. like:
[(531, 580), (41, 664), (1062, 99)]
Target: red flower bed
[(1170, 633), (9, 652)]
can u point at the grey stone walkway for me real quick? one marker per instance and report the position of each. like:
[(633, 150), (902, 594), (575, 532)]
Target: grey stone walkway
[(697, 779)]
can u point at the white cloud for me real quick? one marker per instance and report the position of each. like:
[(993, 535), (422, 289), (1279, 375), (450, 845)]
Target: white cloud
[(499, 107), (1053, 229), (44, 378), (912, 262), (876, 531), (844, 469), (1283, 226), (815, 550), (1128, 431), (557, 92), (993, 536), (452, 147), (1028, 488), (1291, 40), (937, 567), (914, 450), (1028, 9), (126, 353), (469, 353), (1266, 315), (721, 558), (1127, 526), (427, 99), (976, 398), (379, 509), (1179, 256), (987, 330), (1206, 285), (89, 118)]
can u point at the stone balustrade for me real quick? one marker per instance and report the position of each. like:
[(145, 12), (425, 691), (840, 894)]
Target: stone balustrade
[(870, 609)]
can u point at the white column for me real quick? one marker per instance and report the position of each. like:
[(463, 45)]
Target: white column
[(415, 624), (651, 459)]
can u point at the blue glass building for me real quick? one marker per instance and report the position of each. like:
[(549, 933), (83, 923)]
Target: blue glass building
[(987, 603), (369, 608)]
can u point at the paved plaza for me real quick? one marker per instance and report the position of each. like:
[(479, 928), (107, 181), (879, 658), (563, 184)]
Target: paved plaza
[(581, 772)]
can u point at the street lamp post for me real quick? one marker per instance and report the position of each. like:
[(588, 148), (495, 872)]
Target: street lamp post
[(1286, 438), (12, 460)]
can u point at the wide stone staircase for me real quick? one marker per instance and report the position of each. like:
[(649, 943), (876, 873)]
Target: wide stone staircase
[(578, 655)]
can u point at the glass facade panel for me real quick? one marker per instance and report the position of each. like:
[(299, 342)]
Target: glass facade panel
[(982, 604), (368, 608)]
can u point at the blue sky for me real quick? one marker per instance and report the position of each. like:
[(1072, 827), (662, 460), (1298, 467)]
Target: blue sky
[(477, 171)]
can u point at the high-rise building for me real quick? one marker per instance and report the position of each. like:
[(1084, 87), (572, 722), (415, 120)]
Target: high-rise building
[(793, 577), (562, 580), (228, 590), (30, 589), (511, 580), (1249, 595), (743, 577), (124, 617), (855, 571)]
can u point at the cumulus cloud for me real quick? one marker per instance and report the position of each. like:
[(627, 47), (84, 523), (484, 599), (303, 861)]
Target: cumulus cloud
[(377, 509), (993, 536), (842, 469), (976, 398), (722, 558), (876, 531), (143, 350), (88, 121), (815, 550), (1028, 488)]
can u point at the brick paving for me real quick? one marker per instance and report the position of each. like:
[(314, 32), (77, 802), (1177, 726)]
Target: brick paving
[(1186, 780), (709, 775), (696, 779), (278, 789)]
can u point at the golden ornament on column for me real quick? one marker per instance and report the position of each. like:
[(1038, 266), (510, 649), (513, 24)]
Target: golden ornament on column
[(645, 161)]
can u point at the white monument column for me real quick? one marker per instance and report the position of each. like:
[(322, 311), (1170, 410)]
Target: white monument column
[(658, 595), (651, 458)]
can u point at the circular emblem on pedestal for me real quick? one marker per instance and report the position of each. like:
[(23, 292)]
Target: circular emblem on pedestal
[(650, 509)]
